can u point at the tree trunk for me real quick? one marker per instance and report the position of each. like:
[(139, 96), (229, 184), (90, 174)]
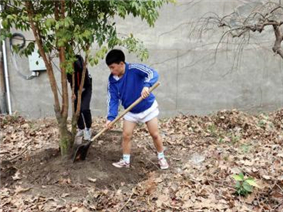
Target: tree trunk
[(65, 138), (74, 117)]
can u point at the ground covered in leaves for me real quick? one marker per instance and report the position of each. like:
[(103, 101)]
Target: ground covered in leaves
[(204, 153)]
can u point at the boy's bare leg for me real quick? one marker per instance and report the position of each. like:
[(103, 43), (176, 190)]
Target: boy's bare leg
[(152, 126), (128, 128)]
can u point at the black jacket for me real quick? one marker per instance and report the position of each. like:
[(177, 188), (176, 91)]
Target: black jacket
[(78, 70)]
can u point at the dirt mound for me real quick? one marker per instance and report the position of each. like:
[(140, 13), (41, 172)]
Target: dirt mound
[(46, 168)]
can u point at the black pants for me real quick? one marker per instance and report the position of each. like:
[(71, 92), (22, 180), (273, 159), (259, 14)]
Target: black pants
[(85, 109)]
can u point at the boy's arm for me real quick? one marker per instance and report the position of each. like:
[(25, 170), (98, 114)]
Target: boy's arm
[(113, 103), (70, 80), (150, 75)]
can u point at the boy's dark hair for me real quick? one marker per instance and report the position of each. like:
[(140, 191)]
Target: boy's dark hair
[(115, 56), (79, 64)]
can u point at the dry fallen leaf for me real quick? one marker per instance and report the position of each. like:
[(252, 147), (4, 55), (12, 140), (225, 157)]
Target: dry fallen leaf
[(65, 181), (20, 189), (65, 195), (266, 177), (91, 179), (16, 176), (161, 199)]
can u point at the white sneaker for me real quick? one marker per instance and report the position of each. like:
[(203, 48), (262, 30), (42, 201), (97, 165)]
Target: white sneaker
[(80, 133), (87, 134), (121, 164), (163, 164)]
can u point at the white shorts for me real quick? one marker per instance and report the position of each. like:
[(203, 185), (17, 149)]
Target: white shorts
[(144, 116)]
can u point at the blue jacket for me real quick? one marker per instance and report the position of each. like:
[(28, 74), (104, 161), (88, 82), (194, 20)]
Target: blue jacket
[(128, 89)]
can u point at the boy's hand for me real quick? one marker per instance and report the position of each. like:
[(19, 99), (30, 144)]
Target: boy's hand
[(145, 92), (74, 97), (108, 124)]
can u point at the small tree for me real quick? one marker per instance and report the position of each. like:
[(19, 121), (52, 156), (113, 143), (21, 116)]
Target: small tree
[(64, 28)]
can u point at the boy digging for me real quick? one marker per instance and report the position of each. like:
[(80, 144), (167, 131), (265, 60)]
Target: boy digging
[(84, 122), (127, 82)]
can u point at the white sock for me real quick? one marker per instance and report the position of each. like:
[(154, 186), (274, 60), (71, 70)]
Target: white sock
[(126, 158), (160, 155)]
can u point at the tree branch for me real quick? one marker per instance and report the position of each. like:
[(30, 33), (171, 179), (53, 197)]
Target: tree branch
[(262, 19), (278, 40), (79, 97), (64, 84)]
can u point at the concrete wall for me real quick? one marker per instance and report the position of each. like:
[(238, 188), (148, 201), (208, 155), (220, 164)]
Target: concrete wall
[(192, 80)]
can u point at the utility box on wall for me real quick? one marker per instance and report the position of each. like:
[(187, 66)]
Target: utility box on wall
[(36, 63)]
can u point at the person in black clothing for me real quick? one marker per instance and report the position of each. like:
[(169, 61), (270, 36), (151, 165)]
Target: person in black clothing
[(85, 120)]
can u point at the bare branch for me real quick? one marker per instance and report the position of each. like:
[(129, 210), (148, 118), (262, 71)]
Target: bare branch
[(236, 25)]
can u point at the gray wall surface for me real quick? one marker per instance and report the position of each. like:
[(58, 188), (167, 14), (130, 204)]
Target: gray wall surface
[(192, 81)]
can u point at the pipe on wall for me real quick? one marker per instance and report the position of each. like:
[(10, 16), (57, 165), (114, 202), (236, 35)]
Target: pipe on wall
[(6, 73)]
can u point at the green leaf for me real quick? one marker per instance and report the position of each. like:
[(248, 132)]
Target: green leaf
[(247, 187), (252, 182), (10, 17), (238, 177), (57, 26), (5, 23), (95, 60), (50, 22), (238, 185), (241, 175)]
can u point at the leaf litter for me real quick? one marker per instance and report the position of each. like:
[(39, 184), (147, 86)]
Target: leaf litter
[(204, 153)]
